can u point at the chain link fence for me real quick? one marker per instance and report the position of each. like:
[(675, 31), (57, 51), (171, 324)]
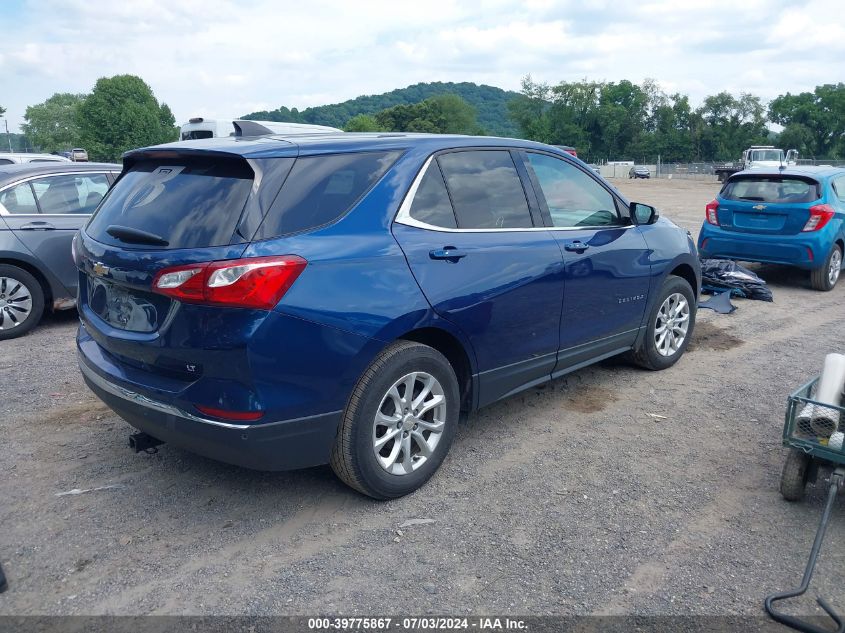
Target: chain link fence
[(707, 172)]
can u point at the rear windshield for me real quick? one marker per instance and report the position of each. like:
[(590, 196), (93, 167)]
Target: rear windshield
[(193, 203), (772, 189), (320, 189)]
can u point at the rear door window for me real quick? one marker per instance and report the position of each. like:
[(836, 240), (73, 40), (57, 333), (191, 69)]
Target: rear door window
[(320, 189), (485, 189), (70, 194), (188, 203), (772, 189)]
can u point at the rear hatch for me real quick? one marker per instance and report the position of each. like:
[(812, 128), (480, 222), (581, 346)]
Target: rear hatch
[(171, 210), (767, 203)]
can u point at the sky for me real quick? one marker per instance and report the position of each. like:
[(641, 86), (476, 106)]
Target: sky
[(225, 58)]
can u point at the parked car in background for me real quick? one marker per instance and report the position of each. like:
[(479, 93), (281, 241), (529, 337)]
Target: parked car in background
[(18, 158), (79, 155), (639, 172), (793, 216), (41, 208), (283, 302)]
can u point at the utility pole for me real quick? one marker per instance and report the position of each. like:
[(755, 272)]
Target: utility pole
[(8, 136)]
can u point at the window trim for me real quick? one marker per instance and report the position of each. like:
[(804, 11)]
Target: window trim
[(29, 179)]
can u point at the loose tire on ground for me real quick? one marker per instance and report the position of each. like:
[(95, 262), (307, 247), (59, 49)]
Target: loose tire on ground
[(646, 354), (354, 456), (793, 479), (19, 290), (825, 278)]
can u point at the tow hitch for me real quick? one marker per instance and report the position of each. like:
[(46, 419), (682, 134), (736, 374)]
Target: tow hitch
[(141, 442)]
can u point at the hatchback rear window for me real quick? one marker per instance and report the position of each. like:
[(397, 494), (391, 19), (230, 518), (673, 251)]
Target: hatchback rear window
[(772, 189), (320, 189), (188, 203)]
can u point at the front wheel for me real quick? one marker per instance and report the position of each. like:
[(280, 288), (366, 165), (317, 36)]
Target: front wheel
[(825, 278), (399, 423), (21, 302), (670, 326)]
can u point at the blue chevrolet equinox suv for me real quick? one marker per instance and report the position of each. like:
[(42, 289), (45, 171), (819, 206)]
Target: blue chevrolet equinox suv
[(285, 302)]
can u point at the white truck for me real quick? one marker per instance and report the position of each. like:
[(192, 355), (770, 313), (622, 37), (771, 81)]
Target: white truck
[(758, 157), (199, 127)]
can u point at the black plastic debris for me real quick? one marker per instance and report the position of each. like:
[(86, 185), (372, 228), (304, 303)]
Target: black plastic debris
[(719, 275), (720, 303)]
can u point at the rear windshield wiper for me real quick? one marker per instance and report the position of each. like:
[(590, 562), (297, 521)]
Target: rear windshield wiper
[(135, 236), (754, 198)]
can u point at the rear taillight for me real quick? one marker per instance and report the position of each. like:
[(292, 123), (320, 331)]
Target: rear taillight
[(254, 282), (712, 212), (571, 152), (820, 215)]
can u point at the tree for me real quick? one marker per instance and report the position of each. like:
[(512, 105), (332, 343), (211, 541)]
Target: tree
[(2, 110), (120, 114), (53, 126), (363, 123), (813, 121), (443, 114)]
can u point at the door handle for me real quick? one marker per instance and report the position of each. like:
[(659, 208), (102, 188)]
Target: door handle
[(449, 253), (38, 226), (576, 246)]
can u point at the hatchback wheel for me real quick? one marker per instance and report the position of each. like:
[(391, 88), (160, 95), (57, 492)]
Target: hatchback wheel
[(399, 422), (21, 301), (670, 326), (825, 278)]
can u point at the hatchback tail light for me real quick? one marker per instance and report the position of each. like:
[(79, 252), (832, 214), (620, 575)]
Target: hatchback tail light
[(253, 282), (820, 215), (712, 212)]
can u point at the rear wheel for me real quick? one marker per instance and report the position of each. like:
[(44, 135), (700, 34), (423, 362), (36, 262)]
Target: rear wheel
[(670, 326), (825, 278), (399, 423), (793, 479), (21, 301)]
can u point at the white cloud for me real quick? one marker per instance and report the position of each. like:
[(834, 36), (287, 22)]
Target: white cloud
[(227, 57)]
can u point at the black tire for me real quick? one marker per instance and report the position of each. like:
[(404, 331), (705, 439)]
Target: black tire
[(19, 327), (820, 277), (793, 479), (353, 456), (646, 354)]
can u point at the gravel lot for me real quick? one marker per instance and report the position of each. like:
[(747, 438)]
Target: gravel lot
[(570, 499)]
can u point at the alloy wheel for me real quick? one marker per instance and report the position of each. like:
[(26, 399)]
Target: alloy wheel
[(409, 423), (672, 324), (835, 266), (15, 303)]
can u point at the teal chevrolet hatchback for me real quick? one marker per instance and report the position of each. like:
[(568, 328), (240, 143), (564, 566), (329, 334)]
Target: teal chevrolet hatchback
[(790, 216)]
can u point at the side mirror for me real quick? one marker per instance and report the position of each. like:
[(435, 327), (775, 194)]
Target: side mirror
[(642, 214)]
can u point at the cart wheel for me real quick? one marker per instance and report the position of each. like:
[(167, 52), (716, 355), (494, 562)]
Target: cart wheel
[(793, 479)]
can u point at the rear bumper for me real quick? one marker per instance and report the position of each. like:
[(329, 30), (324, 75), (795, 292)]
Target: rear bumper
[(284, 445), (807, 253)]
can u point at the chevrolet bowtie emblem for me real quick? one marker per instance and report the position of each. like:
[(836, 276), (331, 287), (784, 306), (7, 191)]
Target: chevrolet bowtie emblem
[(101, 270), (759, 207)]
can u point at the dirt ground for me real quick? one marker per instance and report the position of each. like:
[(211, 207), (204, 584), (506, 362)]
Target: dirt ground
[(611, 491)]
